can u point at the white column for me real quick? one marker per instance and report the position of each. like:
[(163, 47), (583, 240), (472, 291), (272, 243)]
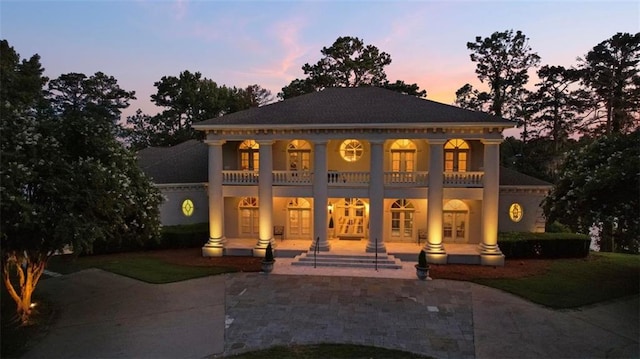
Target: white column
[(376, 198), (490, 253), (265, 198), (434, 248), (215, 246), (320, 190)]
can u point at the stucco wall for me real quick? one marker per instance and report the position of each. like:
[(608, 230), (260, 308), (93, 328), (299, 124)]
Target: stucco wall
[(171, 207), (530, 200)]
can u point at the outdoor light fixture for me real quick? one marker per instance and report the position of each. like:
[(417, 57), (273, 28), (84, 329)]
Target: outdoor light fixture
[(330, 207)]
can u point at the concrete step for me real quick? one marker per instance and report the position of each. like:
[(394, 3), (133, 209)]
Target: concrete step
[(351, 261)]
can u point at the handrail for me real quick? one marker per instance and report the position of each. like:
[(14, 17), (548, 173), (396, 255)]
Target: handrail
[(376, 254), (316, 250)]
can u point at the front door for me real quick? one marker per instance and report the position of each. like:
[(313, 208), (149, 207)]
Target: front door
[(351, 219), (454, 227)]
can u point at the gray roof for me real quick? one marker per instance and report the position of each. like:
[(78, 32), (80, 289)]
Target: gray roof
[(509, 177), (184, 163), (354, 105)]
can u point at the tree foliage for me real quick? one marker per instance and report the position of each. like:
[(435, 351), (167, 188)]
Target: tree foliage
[(599, 188), (349, 62), (610, 73), (502, 61), (65, 180), (185, 100)]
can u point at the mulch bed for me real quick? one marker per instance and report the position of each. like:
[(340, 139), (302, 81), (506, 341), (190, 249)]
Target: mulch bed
[(512, 268)]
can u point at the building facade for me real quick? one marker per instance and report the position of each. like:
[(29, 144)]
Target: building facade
[(362, 164)]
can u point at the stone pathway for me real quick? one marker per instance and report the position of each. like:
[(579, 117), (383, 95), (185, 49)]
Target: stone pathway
[(432, 318)]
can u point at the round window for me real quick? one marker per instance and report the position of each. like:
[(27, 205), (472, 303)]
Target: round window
[(515, 212), (351, 150), (187, 207)]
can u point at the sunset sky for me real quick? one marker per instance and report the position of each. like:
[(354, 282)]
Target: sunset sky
[(266, 42)]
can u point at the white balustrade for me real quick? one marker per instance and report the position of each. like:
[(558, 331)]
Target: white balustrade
[(463, 179), (353, 178)]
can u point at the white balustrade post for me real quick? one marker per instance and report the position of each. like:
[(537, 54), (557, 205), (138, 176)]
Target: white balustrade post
[(320, 190), (376, 198), (265, 198), (434, 248), (490, 253), (215, 246)]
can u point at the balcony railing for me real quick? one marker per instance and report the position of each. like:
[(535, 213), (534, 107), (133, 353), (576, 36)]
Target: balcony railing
[(406, 179), (463, 179), (354, 179)]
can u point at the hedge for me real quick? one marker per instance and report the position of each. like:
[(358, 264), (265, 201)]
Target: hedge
[(543, 245), (183, 236)]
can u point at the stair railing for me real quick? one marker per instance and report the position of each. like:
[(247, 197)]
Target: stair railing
[(316, 250), (376, 254)]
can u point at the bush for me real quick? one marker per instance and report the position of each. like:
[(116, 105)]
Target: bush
[(184, 236), (543, 245)]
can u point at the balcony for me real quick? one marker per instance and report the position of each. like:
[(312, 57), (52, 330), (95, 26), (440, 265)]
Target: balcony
[(354, 178)]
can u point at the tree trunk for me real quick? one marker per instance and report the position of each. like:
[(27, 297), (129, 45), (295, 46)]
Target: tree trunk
[(28, 274)]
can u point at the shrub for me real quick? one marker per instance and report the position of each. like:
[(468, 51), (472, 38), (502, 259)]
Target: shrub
[(184, 236), (543, 245), (268, 254), (422, 259)]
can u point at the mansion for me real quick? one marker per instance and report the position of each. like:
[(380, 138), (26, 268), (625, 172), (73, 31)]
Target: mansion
[(366, 165)]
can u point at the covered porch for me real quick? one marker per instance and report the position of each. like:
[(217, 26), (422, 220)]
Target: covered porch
[(406, 252)]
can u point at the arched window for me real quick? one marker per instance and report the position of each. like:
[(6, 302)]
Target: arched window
[(456, 155), (402, 215), (403, 156), (299, 155), (248, 212), (351, 150), (249, 155)]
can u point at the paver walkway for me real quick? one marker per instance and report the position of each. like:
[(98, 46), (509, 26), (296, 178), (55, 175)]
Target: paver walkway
[(432, 318)]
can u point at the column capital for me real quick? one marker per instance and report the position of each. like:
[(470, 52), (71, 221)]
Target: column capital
[(377, 141), (265, 142), (436, 141), (320, 142), (491, 141), (215, 142)]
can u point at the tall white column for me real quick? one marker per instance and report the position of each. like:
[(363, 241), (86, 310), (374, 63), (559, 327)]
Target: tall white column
[(215, 246), (265, 198), (376, 198), (490, 253), (434, 248), (320, 190)]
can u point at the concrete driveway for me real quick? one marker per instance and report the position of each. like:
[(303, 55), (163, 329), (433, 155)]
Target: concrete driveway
[(103, 315)]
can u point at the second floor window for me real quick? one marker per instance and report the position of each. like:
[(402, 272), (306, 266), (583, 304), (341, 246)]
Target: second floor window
[(456, 155), (249, 155), (351, 150)]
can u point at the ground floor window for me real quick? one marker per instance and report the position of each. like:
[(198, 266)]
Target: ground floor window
[(299, 218), (455, 221), (402, 216), (249, 216)]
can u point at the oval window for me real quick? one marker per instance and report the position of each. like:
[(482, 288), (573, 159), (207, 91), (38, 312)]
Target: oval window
[(516, 212), (187, 207)]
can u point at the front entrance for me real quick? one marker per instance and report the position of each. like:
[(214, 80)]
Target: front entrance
[(454, 222), (351, 220)]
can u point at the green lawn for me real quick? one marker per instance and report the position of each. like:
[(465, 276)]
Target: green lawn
[(572, 283), (135, 265), (334, 351)]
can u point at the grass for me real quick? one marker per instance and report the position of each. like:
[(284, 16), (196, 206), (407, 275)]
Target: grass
[(571, 283), (139, 266), (334, 351)]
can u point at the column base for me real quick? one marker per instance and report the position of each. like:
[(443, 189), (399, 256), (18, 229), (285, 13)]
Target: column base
[(324, 246), (435, 253), (371, 248), (261, 248), (214, 247)]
